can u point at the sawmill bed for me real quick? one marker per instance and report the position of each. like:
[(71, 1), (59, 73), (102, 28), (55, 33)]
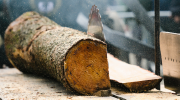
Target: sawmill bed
[(15, 85)]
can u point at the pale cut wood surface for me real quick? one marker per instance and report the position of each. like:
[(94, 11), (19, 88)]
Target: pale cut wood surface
[(132, 77), (124, 73)]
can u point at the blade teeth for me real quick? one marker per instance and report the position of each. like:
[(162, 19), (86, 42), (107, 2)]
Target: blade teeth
[(95, 20), (94, 9)]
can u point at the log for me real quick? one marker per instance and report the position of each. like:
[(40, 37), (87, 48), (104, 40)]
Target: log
[(130, 77), (36, 44)]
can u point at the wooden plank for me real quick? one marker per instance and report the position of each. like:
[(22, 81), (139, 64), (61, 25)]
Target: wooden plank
[(131, 77)]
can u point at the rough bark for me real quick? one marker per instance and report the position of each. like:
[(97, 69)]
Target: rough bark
[(35, 44)]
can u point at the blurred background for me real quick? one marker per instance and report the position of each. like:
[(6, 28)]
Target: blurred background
[(126, 22)]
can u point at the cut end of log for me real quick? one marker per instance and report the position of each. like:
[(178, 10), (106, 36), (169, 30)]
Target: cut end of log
[(86, 68)]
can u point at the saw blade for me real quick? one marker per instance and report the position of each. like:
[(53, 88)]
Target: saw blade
[(95, 26)]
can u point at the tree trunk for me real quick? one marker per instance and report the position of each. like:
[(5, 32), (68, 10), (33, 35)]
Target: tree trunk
[(35, 44)]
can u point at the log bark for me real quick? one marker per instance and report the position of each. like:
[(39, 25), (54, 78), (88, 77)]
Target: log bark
[(36, 44)]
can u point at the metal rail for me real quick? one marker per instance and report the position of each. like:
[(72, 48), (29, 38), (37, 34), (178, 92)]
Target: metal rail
[(149, 13), (156, 36), (122, 42)]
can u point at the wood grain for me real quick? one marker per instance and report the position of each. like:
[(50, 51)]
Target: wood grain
[(131, 77)]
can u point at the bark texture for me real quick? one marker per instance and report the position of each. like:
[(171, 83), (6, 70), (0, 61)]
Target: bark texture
[(35, 44)]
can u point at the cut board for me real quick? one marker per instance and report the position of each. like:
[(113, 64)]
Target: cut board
[(131, 77)]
